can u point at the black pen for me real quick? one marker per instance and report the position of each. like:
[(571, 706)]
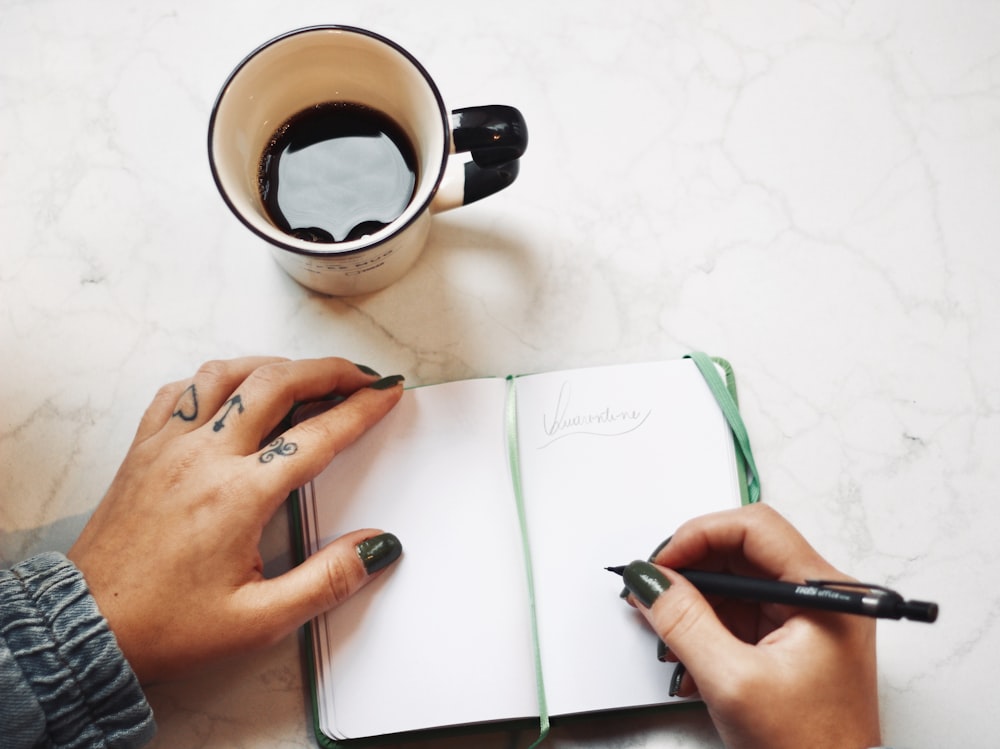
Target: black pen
[(845, 597)]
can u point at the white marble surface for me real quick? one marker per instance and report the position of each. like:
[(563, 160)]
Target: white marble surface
[(810, 189)]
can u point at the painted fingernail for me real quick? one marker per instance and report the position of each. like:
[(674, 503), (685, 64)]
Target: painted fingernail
[(367, 370), (378, 552), (662, 651), (676, 679), (387, 382), (650, 558), (645, 582), (660, 548)]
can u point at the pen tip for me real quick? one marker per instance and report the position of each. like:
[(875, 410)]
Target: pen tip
[(620, 570)]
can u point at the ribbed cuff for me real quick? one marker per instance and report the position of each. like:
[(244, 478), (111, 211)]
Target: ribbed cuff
[(71, 685)]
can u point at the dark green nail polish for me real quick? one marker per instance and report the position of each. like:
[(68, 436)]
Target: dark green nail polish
[(387, 382), (645, 582), (367, 370), (662, 651), (675, 680), (659, 548), (378, 552)]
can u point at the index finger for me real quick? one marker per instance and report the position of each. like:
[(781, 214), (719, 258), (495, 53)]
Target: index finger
[(299, 454), (751, 540)]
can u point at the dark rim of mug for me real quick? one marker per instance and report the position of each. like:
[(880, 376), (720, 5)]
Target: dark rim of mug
[(331, 247)]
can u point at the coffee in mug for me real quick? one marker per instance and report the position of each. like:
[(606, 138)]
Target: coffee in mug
[(336, 172)]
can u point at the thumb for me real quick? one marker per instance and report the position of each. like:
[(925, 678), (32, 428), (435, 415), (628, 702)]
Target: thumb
[(329, 577), (685, 621)]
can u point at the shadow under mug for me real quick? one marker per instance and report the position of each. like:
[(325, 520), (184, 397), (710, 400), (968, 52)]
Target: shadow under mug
[(323, 64)]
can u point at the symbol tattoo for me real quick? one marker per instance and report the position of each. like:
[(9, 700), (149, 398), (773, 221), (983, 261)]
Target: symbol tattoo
[(187, 405), (234, 402), (278, 447)]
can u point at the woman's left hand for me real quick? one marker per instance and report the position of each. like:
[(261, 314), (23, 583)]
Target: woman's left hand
[(171, 553)]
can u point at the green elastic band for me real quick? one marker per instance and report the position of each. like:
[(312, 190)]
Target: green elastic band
[(513, 457), (727, 402)]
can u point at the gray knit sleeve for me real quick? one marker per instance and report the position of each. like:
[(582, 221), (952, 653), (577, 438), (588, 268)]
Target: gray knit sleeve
[(65, 681)]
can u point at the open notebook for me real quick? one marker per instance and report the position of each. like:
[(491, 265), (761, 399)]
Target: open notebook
[(599, 465)]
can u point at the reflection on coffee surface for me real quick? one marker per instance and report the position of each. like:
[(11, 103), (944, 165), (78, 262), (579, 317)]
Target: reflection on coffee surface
[(337, 172)]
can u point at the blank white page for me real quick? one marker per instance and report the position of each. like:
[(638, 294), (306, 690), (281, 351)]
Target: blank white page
[(613, 460), (443, 637)]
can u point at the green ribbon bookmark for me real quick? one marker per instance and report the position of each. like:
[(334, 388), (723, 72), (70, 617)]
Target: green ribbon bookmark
[(514, 459), (725, 396)]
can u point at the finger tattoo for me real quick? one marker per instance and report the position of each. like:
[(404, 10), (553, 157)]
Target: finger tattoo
[(234, 402), (187, 405), (278, 447)]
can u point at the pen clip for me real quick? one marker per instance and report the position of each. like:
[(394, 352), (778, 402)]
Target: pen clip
[(889, 601), (880, 589)]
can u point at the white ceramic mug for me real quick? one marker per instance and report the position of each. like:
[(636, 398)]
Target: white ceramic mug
[(323, 64)]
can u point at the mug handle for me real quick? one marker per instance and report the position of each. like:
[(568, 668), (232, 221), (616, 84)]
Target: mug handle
[(496, 136)]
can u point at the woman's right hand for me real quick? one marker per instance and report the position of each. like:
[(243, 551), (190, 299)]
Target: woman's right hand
[(772, 676)]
